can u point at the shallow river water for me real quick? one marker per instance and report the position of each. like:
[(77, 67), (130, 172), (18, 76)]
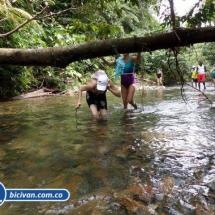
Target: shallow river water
[(159, 159)]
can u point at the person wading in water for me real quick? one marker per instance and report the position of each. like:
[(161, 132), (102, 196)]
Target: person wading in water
[(125, 67), (96, 94)]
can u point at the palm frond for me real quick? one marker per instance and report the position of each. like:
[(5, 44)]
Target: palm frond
[(18, 16)]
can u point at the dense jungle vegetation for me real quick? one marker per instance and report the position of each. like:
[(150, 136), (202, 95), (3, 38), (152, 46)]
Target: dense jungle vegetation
[(70, 22)]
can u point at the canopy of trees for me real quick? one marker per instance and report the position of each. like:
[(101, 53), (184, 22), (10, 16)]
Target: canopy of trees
[(72, 34)]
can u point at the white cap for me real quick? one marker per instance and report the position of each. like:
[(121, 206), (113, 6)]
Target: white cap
[(98, 73), (102, 82), (193, 67)]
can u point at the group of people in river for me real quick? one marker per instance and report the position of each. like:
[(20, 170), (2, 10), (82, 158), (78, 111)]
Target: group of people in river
[(96, 89), (125, 68), (198, 75)]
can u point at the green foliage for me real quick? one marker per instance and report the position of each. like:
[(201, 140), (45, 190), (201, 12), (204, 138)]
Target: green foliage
[(14, 80), (201, 13), (204, 15), (208, 51), (92, 20), (108, 20)]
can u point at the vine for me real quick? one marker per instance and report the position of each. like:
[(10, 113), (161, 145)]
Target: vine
[(175, 51)]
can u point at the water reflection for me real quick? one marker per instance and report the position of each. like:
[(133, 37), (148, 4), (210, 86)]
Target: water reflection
[(159, 93), (157, 161)]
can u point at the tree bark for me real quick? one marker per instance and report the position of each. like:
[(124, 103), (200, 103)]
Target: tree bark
[(63, 56)]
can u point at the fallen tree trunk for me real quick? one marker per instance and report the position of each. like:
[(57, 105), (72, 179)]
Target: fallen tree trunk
[(63, 56), (146, 80), (42, 93), (35, 94), (52, 90)]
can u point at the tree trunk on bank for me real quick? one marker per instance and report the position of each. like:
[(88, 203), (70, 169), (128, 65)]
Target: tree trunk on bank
[(63, 56)]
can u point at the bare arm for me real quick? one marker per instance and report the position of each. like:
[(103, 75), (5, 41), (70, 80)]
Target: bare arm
[(136, 58), (113, 89), (109, 63), (212, 70), (87, 87)]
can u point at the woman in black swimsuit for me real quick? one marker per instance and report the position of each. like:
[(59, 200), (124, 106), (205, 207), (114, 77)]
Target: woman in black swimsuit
[(96, 95), (159, 77)]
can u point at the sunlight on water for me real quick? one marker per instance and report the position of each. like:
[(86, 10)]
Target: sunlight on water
[(158, 159)]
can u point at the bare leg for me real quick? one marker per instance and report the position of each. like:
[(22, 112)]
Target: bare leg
[(124, 92), (94, 111), (204, 85), (131, 91), (103, 112)]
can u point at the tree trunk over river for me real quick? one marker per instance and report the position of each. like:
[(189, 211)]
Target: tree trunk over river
[(63, 56)]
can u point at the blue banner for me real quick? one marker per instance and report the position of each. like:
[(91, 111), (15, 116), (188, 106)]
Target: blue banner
[(32, 194)]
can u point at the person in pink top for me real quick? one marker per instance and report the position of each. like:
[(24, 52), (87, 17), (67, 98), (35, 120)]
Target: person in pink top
[(201, 70)]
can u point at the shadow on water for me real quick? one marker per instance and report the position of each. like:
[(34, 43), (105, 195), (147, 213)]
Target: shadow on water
[(159, 160)]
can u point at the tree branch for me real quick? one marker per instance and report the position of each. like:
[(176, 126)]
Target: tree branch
[(171, 3), (23, 24), (60, 12), (3, 19), (35, 18)]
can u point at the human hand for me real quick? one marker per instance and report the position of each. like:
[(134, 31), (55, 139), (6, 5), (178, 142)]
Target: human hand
[(78, 105), (108, 87)]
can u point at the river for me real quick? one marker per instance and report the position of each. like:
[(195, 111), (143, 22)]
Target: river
[(158, 159)]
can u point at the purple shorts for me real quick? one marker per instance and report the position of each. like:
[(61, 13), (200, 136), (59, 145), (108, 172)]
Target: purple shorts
[(127, 80)]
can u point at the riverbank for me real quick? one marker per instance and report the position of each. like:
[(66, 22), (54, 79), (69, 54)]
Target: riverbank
[(44, 92)]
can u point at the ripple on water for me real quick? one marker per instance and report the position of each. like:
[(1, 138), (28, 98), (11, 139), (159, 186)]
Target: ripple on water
[(159, 159)]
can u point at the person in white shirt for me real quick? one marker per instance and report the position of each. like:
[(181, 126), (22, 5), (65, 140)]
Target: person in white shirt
[(201, 70)]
